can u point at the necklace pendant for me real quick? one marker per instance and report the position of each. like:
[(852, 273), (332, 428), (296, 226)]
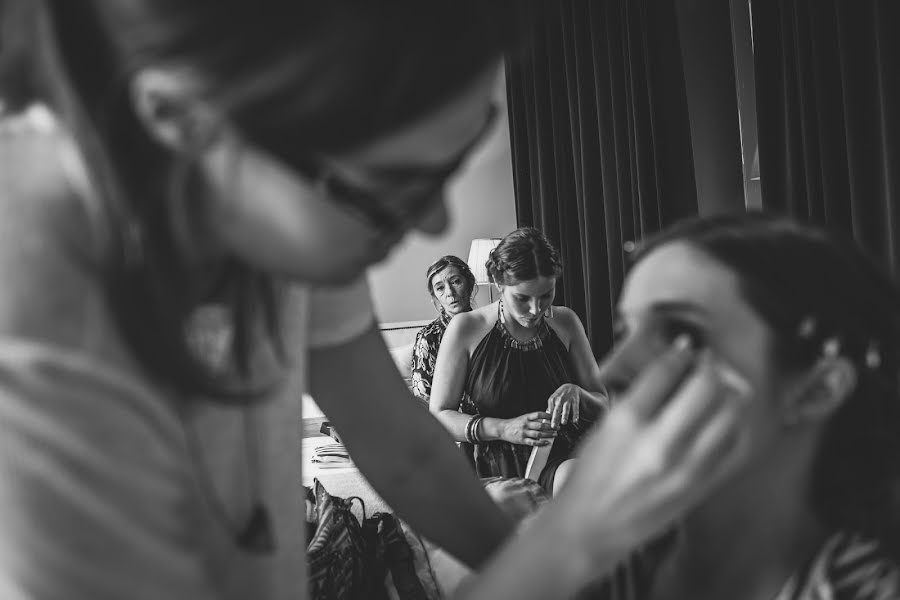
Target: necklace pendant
[(257, 536)]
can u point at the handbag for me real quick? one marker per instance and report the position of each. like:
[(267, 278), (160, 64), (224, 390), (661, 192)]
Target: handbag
[(349, 560)]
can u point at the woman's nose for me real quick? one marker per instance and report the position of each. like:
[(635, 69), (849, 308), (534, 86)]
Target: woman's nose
[(623, 363)]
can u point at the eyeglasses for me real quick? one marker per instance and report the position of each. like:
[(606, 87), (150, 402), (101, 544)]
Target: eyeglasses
[(420, 188)]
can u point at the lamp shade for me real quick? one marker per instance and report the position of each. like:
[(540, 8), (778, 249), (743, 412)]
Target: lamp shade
[(478, 255)]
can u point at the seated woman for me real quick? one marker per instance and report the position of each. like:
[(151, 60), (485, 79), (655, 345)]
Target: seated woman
[(518, 373), (451, 285), (801, 330)]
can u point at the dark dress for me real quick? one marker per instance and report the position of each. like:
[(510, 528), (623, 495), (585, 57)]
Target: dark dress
[(508, 378)]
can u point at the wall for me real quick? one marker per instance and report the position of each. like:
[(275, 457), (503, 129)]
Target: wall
[(481, 204)]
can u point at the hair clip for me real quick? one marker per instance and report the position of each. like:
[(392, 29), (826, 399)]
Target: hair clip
[(873, 356), (807, 328), (831, 348)]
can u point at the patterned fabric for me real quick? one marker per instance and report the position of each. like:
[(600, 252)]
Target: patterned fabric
[(353, 561), (848, 567), (424, 356), (336, 549)]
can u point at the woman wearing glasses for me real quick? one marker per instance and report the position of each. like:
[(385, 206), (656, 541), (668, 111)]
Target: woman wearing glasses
[(212, 161)]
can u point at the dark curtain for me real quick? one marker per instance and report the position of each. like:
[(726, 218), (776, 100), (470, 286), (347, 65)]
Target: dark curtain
[(600, 141), (828, 106)]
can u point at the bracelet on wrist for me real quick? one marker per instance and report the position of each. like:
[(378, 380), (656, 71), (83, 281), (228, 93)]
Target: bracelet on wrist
[(475, 434), (470, 437)]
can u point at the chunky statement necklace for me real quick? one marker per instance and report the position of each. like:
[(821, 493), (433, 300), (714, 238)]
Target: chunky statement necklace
[(533, 342)]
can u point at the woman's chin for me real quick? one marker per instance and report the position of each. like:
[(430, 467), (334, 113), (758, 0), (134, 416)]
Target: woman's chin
[(455, 309)]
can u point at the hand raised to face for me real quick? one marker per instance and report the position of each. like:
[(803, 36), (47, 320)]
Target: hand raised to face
[(671, 438)]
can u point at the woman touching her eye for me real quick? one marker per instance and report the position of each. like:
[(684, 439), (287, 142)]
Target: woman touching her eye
[(518, 373), (805, 331)]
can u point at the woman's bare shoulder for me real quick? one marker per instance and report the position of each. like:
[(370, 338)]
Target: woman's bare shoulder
[(565, 323), (473, 325), (565, 316)]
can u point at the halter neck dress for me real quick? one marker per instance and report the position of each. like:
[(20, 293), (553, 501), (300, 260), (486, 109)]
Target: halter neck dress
[(508, 378)]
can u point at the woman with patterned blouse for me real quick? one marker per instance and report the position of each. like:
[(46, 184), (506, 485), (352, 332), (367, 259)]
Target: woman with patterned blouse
[(451, 285)]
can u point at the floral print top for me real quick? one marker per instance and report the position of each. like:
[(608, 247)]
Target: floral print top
[(424, 355), (849, 566)]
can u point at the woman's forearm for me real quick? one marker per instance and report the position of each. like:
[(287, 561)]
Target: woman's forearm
[(435, 463), (489, 428), (598, 400), (403, 451), (593, 404), (455, 422), (544, 560)]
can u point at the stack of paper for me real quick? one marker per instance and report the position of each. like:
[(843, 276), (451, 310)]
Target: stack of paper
[(331, 455)]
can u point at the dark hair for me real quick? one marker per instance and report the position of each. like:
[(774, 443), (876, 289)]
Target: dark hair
[(20, 81), (450, 261), (295, 77), (524, 254), (811, 285)]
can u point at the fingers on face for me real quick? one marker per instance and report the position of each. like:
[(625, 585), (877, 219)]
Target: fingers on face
[(705, 461), (717, 447), (649, 391), (701, 415)]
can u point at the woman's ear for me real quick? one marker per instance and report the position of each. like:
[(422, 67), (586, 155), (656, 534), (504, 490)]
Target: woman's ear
[(824, 390), (167, 103)]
